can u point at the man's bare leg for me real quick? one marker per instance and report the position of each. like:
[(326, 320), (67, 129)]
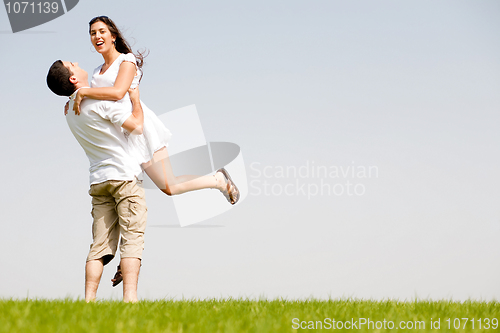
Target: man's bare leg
[(130, 270), (93, 273)]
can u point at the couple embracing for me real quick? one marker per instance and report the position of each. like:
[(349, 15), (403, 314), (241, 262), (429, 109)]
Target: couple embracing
[(121, 138)]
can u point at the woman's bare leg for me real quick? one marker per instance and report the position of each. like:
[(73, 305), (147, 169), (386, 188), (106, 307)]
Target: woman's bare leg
[(160, 171)]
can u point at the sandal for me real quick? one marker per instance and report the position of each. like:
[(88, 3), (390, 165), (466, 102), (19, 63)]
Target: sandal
[(231, 192), (118, 276)]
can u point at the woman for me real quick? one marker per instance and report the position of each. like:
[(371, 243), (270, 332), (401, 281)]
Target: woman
[(122, 70)]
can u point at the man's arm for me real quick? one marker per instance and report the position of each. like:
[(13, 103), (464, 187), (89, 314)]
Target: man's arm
[(134, 123)]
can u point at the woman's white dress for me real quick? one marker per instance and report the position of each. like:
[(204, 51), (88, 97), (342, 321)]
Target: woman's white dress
[(155, 135)]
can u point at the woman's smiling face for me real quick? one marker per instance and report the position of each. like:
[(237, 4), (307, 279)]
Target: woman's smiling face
[(101, 37)]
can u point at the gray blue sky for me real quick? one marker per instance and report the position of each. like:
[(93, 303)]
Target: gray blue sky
[(408, 87)]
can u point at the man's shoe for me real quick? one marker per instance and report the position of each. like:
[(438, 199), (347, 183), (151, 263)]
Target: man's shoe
[(118, 276)]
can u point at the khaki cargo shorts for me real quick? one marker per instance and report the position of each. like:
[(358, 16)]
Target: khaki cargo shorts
[(119, 211)]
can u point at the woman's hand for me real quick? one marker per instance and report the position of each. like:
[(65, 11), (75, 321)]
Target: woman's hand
[(78, 99), (66, 108), (134, 95)]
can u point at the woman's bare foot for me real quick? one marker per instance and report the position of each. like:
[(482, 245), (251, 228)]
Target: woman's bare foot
[(220, 181)]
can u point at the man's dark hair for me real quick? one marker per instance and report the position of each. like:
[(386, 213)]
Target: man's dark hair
[(58, 79)]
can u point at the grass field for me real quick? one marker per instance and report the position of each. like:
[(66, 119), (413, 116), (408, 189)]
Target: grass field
[(240, 315)]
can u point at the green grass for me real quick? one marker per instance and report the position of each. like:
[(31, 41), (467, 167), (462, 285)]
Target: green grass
[(240, 315)]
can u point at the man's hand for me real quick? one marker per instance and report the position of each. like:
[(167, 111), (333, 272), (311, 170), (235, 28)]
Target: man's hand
[(134, 95), (78, 100), (66, 108), (135, 123)]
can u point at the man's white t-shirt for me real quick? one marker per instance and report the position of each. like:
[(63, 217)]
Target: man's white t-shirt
[(98, 130)]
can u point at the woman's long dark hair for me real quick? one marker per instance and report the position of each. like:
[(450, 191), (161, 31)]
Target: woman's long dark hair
[(121, 44)]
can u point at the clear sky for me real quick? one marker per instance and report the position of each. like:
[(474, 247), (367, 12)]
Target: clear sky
[(405, 89)]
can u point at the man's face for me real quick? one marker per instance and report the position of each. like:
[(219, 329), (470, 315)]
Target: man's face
[(78, 73)]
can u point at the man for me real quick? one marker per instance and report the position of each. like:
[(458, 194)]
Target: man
[(118, 204)]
